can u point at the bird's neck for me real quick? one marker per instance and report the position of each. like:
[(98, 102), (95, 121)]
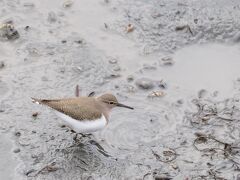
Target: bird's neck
[(105, 110)]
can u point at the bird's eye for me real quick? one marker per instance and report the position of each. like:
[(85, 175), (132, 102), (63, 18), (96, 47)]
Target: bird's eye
[(110, 102)]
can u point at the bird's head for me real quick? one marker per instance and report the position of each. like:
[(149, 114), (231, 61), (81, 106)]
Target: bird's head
[(110, 101)]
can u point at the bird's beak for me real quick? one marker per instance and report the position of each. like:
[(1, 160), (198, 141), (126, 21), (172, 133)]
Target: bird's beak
[(122, 105)]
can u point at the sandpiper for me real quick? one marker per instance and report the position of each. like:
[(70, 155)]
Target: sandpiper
[(84, 114)]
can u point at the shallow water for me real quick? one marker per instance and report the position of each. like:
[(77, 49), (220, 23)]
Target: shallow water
[(68, 46), (8, 163)]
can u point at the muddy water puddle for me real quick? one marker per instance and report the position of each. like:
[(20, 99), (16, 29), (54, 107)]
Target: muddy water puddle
[(181, 99), (155, 139)]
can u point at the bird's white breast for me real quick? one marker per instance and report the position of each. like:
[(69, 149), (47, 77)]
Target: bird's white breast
[(85, 126)]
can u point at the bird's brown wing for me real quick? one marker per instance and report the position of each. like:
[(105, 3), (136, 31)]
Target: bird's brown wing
[(72, 108)]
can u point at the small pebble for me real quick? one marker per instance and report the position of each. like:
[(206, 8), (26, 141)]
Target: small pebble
[(52, 17), (114, 75), (29, 5), (18, 134), (149, 67), (202, 93), (145, 83), (167, 61), (29, 172), (113, 61), (35, 114), (162, 84), (130, 78), (117, 68), (180, 101), (52, 138), (79, 41), (64, 41), (16, 150), (67, 4), (27, 28), (2, 65)]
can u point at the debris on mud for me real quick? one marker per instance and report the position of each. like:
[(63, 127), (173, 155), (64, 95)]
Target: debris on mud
[(166, 61), (8, 31), (2, 64), (35, 114), (130, 78), (67, 4), (180, 28), (162, 84), (129, 28), (166, 155), (17, 150), (149, 66), (48, 168), (156, 94), (52, 17), (112, 60), (17, 134)]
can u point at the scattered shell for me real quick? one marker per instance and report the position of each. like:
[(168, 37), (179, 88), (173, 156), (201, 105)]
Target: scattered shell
[(130, 28), (67, 4), (157, 94)]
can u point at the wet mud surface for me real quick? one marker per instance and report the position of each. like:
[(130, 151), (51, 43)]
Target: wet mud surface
[(185, 124)]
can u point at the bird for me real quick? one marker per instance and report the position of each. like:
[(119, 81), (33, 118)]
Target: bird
[(84, 114)]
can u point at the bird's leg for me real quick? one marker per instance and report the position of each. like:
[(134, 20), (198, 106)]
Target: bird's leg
[(86, 135), (77, 91), (75, 137)]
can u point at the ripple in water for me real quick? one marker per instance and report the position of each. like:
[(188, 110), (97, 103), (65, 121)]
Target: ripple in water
[(127, 131)]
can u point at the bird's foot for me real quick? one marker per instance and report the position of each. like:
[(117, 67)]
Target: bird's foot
[(76, 139)]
